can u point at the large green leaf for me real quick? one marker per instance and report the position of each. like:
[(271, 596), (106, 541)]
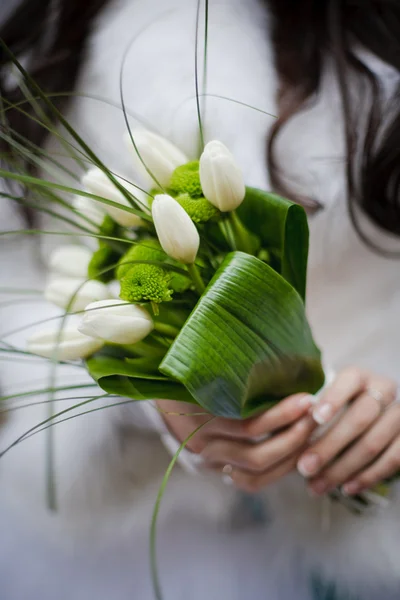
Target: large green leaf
[(282, 226), (247, 344), (135, 378)]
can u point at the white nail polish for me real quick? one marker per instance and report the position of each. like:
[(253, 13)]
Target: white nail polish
[(323, 414), (302, 471), (307, 401)]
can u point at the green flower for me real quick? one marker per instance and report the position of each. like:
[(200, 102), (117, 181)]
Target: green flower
[(148, 249), (108, 228), (103, 257), (179, 283), (146, 283), (186, 179), (199, 210)]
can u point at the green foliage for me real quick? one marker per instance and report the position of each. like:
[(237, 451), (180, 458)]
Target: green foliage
[(146, 283), (134, 379), (282, 228), (108, 228), (103, 257), (247, 344), (186, 180), (199, 209)]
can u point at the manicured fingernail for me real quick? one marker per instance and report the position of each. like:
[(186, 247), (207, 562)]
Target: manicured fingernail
[(308, 465), (319, 487), (306, 401), (351, 488), (227, 470), (323, 414)]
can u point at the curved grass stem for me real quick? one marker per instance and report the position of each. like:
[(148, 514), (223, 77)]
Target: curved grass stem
[(153, 529)]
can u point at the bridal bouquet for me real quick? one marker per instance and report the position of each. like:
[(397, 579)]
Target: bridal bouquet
[(195, 290), (211, 285)]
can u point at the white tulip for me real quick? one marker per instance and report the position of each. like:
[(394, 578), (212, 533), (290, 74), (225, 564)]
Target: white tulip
[(176, 231), (61, 290), (96, 182), (65, 343), (70, 261), (115, 288), (116, 322), (91, 209), (158, 154), (221, 178)]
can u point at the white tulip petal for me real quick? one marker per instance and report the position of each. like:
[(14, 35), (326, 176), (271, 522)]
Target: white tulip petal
[(115, 288), (65, 343), (96, 182), (176, 231), (116, 321), (91, 209), (221, 178), (70, 261), (159, 155), (61, 290)]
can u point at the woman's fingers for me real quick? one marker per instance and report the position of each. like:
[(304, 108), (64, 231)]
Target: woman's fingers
[(347, 385), (371, 445), (362, 413), (281, 415), (386, 466), (181, 419), (349, 427), (254, 483), (259, 457)]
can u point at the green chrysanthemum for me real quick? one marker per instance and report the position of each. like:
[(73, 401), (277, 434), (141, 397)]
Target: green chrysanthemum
[(146, 283), (103, 257), (150, 249), (146, 250), (199, 210), (186, 180)]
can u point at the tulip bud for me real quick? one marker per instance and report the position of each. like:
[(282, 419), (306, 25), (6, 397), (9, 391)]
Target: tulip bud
[(96, 182), (70, 261), (221, 178), (65, 343), (116, 322), (158, 154), (91, 209), (176, 231), (61, 290)]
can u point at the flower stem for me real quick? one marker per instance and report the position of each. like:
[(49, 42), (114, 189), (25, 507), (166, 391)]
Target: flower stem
[(196, 278), (240, 233), (166, 329)]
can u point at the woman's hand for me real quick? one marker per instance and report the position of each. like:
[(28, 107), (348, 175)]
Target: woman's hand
[(362, 448), (241, 448)]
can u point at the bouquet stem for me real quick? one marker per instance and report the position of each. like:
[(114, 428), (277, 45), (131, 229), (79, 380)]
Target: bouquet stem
[(196, 278), (166, 329), (241, 235)]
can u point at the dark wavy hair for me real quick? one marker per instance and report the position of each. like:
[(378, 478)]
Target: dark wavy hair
[(305, 34)]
